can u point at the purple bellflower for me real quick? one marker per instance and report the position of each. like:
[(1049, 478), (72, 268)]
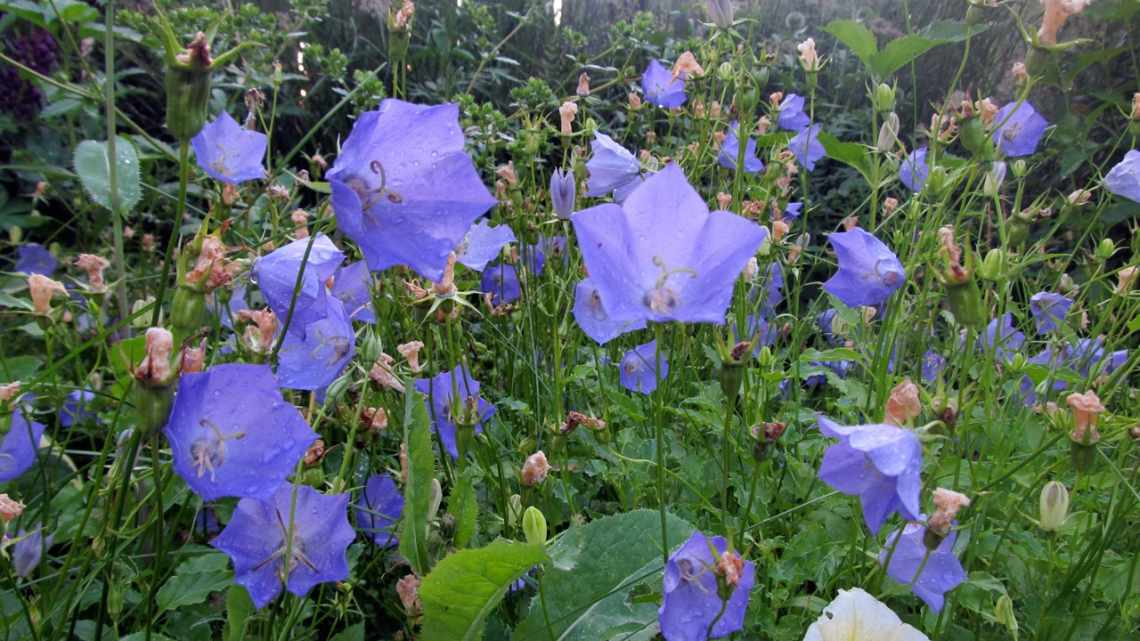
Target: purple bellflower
[(692, 595), (611, 168), (34, 258), (18, 449), (639, 368), (404, 188), (1001, 337), (276, 275), (1049, 310), (27, 551), (378, 509), (768, 287), (868, 270), (662, 256), (446, 409), (1019, 129), (806, 146), (940, 572), (792, 212), (313, 356), (660, 88), (482, 244), (933, 364), (591, 314), (792, 116), (563, 189), (76, 409), (228, 152), (352, 285), (231, 433), (730, 149), (826, 322), (914, 169), (757, 328), (501, 281), (1124, 178), (879, 463), (315, 536)]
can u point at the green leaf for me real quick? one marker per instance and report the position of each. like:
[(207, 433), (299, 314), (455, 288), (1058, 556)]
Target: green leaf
[(464, 587), (17, 368), (351, 633), (595, 568), (239, 607), (857, 37), (194, 580), (464, 508), (417, 491), (899, 52), (849, 153), (91, 164)]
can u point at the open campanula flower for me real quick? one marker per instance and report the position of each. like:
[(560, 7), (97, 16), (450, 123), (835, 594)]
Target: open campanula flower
[(352, 285), (276, 275), (592, 316), (692, 586), (1124, 178), (879, 463), (483, 243), (34, 258), (18, 449), (914, 169), (661, 88), (76, 409), (806, 146), (448, 410), (501, 281), (262, 533), (639, 368), (562, 191), (1019, 129), (27, 551), (378, 509), (228, 152), (855, 615), (1049, 310), (404, 188), (611, 168), (930, 578), (868, 270), (730, 150), (313, 355), (792, 116), (662, 255), (231, 433), (1001, 337), (933, 364)]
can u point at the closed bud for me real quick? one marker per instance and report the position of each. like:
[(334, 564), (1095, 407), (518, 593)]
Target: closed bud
[(1019, 167), (888, 133), (1105, 249), (721, 12), (936, 181), (1003, 612), (188, 89), (1054, 506), (534, 526), (995, 266), (973, 136), (883, 98), (724, 71)]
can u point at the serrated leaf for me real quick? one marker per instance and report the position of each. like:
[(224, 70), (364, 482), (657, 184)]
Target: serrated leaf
[(595, 568), (463, 506), (194, 580), (417, 491), (91, 164), (857, 37), (464, 587)]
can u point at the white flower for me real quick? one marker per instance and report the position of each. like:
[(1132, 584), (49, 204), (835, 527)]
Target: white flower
[(855, 615)]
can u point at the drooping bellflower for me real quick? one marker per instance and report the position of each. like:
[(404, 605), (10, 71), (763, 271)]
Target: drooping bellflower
[(27, 551), (1001, 337), (447, 410), (378, 508), (404, 188), (914, 169), (314, 535), (868, 270), (18, 449), (228, 152), (730, 150), (352, 285), (639, 368), (501, 281), (941, 572), (792, 116), (661, 88), (879, 463), (611, 168), (562, 191), (1049, 310), (806, 146), (1019, 129), (692, 586), (231, 433), (1124, 177), (933, 364), (662, 256)]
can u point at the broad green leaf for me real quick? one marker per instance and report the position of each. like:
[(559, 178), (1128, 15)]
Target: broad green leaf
[(239, 607), (464, 587), (351, 633), (594, 569), (194, 580), (848, 153), (91, 164), (463, 506), (899, 52), (417, 491), (857, 37), (23, 367)]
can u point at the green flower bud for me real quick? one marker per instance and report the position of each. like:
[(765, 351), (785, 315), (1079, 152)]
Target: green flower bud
[(883, 98), (936, 181), (724, 71), (1019, 167), (995, 266), (534, 526), (731, 374), (965, 302), (188, 89), (514, 510), (1003, 610), (152, 404), (1018, 231), (1105, 249), (189, 313), (1054, 506), (973, 136)]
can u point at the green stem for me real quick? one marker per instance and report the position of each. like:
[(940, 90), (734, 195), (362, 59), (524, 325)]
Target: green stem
[(112, 158), (179, 212), (659, 429)]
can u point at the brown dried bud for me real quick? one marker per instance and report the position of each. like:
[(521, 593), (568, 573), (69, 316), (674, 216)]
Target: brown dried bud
[(535, 469)]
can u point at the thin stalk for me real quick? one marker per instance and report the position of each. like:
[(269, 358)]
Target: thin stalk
[(179, 212), (112, 158), (659, 429)]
